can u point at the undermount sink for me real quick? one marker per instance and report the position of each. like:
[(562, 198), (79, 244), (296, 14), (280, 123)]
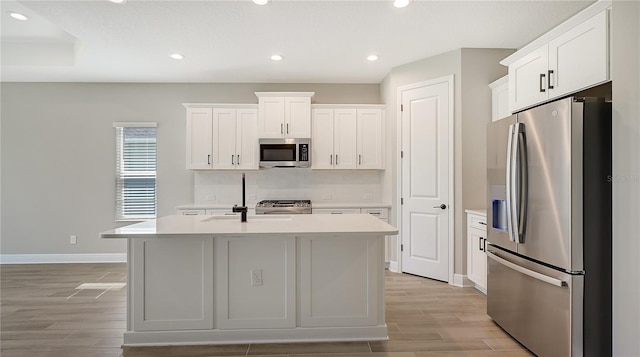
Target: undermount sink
[(249, 218)]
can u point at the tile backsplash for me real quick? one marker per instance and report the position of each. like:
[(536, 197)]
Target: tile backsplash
[(327, 186)]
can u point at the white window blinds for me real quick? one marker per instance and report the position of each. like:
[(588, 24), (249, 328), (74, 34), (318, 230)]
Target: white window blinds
[(135, 171)]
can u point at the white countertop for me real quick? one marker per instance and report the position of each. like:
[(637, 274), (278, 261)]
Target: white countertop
[(300, 224), (479, 212), (314, 204)]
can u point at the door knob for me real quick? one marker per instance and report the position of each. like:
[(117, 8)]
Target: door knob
[(442, 206)]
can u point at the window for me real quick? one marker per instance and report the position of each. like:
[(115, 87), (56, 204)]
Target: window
[(135, 171)]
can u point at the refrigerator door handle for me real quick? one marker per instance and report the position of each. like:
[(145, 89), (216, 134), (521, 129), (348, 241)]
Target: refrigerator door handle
[(525, 271), (519, 177), (508, 181)]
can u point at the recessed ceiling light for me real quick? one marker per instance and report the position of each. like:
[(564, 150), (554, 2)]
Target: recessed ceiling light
[(260, 2), (118, 1), (176, 56), (17, 16), (401, 3), (372, 58), (277, 57)]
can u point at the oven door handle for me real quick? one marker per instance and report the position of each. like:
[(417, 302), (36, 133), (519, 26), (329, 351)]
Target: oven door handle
[(545, 278)]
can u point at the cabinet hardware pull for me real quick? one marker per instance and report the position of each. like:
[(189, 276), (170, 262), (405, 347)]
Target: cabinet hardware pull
[(287, 128), (330, 159), (238, 161), (281, 128), (232, 159), (480, 244), (359, 159), (484, 244), (336, 159), (549, 85), (208, 159), (542, 75), (484, 224)]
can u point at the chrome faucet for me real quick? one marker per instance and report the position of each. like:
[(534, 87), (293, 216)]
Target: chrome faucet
[(242, 209)]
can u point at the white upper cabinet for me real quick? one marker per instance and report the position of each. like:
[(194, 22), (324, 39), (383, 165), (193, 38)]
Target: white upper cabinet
[(344, 135), (199, 138), (347, 137), (579, 58), (500, 98), (572, 57), (222, 137), (370, 138), (284, 114)]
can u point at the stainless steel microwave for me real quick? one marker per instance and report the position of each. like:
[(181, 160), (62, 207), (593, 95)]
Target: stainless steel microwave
[(285, 153)]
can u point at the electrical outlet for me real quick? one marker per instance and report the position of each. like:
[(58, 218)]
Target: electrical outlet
[(256, 277), (211, 197), (73, 239), (368, 195), (326, 196)]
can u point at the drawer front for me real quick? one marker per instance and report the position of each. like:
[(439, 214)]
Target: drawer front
[(191, 212), (476, 221), (336, 210), (381, 213)]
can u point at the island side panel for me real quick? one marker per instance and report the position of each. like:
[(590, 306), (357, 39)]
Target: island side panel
[(341, 280), (255, 282), (172, 284)]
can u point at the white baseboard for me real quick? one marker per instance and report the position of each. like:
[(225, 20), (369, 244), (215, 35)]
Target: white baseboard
[(62, 258), (393, 266), (462, 281)]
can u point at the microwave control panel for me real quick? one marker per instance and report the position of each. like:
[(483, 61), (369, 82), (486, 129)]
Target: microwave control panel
[(303, 152)]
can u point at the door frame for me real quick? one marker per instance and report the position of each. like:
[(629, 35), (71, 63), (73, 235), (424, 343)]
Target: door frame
[(449, 79)]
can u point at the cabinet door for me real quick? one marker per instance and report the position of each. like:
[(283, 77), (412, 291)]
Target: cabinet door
[(247, 139), (500, 102), (344, 139), (527, 80), (224, 134), (322, 141), (174, 283), (271, 117), (297, 113), (476, 259), (370, 138), (199, 138), (579, 58)]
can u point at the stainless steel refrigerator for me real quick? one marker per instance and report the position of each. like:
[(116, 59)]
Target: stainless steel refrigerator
[(549, 227)]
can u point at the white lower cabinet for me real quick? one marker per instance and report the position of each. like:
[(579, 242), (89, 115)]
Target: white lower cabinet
[(339, 292), (476, 250), (175, 283), (380, 212), (255, 282)]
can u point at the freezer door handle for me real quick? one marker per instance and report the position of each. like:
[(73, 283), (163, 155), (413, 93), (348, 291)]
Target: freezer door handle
[(525, 271), (508, 181)]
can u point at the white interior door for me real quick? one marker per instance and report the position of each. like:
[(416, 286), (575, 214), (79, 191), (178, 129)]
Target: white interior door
[(426, 116)]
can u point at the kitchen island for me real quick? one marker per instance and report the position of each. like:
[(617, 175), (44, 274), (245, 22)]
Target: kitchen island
[(216, 280)]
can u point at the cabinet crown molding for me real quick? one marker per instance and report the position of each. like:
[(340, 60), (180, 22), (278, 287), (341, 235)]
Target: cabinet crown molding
[(570, 23)]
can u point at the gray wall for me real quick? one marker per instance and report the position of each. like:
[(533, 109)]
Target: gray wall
[(58, 152), (625, 47), (473, 70)]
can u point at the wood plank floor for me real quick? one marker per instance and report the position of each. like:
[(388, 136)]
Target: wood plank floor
[(44, 313)]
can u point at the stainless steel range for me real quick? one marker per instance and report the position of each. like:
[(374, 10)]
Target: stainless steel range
[(283, 207)]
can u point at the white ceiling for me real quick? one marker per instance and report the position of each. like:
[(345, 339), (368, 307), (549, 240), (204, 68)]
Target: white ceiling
[(231, 41)]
